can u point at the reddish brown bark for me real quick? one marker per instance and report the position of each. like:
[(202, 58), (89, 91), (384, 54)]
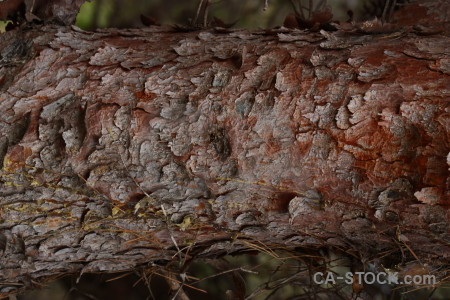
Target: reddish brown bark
[(122, 147)]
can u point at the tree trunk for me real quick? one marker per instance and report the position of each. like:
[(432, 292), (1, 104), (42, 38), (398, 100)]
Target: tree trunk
[(124, 147)]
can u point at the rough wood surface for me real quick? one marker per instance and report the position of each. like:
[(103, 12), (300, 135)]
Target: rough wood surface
[(122, 147)]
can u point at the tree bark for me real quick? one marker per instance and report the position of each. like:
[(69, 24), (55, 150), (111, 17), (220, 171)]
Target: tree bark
[(125, 147)]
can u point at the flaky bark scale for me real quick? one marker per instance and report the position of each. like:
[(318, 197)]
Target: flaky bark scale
[(289, 138)]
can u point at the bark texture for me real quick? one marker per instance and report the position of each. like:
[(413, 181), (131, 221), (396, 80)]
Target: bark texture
[(121, 148)]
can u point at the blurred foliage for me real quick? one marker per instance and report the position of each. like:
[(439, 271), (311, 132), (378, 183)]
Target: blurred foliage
[(270, 275), (246, 13), (249, 14), (2, 26)]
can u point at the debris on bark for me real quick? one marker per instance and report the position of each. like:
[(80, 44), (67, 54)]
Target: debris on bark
[(121, 147)]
